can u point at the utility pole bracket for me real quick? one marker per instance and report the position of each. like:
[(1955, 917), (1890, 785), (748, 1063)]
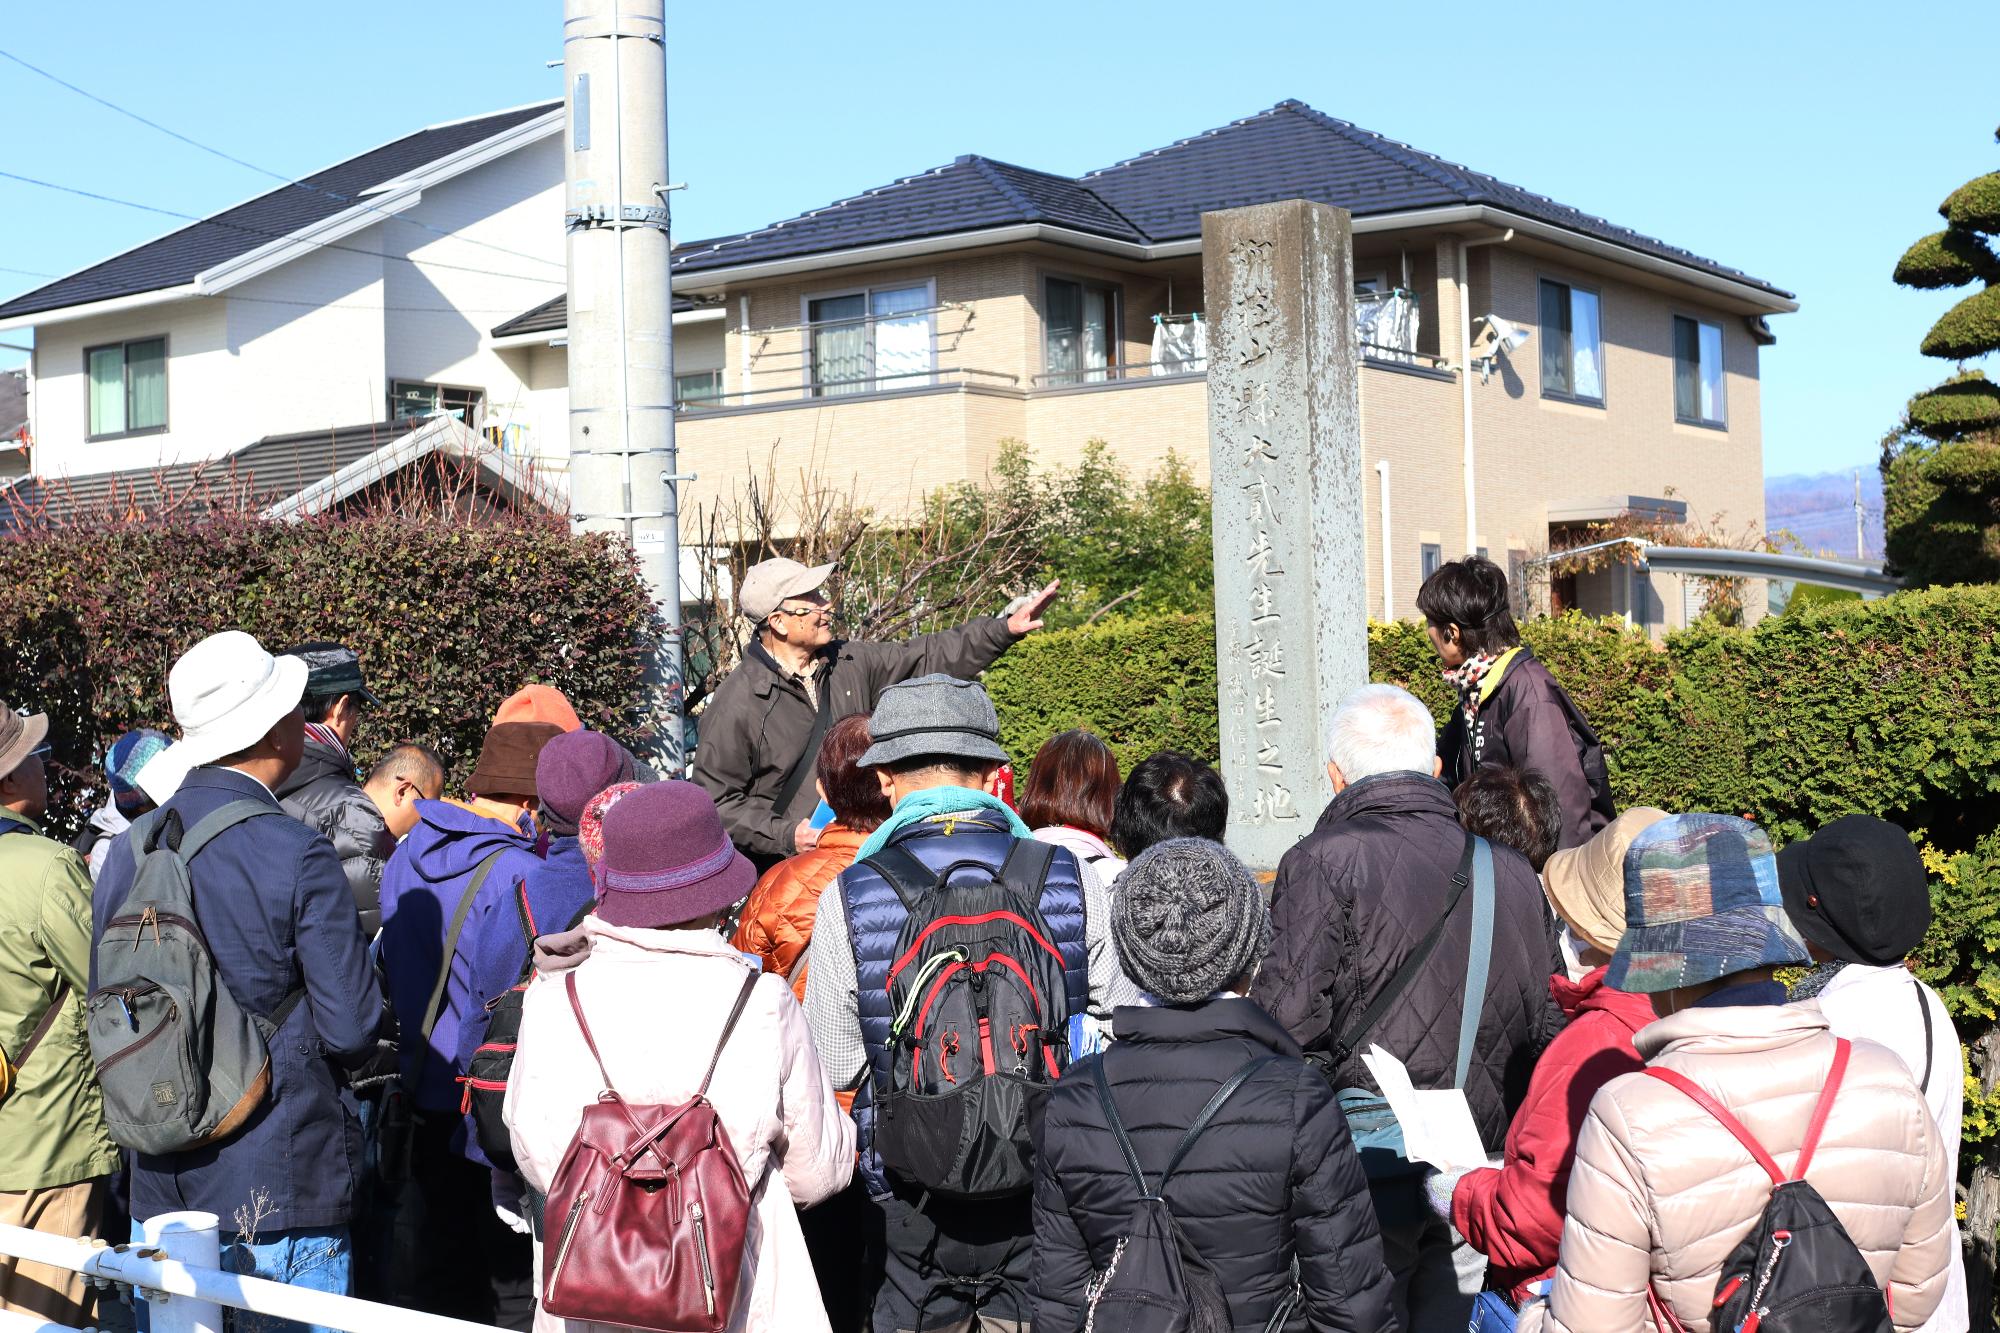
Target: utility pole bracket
[(629, 215)]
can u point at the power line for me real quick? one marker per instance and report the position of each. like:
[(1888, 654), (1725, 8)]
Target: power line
[(266, 171), (272, 235), (394, 309), (28, 272)]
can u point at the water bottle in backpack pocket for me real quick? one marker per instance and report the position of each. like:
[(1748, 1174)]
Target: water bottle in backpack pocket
[(181, 1063), (978, 1035)]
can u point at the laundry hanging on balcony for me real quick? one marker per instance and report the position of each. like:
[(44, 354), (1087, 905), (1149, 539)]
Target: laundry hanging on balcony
[(1385, 324), (1180, 344)]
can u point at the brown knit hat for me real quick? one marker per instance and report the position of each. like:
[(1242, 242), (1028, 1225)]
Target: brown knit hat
[(507, 758)]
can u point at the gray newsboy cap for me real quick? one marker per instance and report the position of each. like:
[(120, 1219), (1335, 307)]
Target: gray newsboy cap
[(939, 715)]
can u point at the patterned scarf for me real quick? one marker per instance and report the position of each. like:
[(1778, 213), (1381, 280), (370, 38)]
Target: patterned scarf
[(1465, 678), (1816, 980)]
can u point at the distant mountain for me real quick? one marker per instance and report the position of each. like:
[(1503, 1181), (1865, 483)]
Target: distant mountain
[(1819, 511)]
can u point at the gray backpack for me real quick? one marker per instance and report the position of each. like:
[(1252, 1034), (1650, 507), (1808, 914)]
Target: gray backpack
[(181, 1063)]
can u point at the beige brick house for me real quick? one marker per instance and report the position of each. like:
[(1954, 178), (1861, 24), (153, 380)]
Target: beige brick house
[(897, 338)]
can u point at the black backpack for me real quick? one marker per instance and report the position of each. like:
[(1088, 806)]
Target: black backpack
[(492, 1063), (980, 1027), (1797, 1271), (1156, 1281)]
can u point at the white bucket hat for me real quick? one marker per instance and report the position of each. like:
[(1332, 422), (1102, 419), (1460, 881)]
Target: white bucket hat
[(227, 692)]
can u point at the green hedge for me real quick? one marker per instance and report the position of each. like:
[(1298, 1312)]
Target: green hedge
[(1889, 708), (448, 620)]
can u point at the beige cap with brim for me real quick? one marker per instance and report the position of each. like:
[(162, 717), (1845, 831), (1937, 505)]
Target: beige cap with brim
[(769, 582), (1586, 885), (20, 735)]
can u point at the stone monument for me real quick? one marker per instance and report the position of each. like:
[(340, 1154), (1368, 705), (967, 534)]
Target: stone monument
[(1284, 441)]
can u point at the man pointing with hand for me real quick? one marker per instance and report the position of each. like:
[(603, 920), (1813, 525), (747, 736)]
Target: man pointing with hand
[(761, 732)]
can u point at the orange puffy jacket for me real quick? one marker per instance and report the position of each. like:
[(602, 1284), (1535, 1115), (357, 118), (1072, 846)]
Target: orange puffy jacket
[(777, 920)]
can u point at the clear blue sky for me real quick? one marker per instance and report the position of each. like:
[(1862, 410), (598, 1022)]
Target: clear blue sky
[(1793, 141)]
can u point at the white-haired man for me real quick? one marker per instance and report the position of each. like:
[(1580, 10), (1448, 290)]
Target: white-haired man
[(1352, 906)]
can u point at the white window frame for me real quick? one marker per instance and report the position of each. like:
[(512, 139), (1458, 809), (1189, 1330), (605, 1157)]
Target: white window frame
[(866, 292)]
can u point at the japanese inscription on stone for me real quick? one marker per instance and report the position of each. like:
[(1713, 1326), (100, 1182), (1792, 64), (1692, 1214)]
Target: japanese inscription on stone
[(1285, 463)]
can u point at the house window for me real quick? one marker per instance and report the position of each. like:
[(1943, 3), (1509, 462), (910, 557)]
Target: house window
[(1079, 331), (1430, 556), (1572, 344), (128, 387), (1698, 372), (881, 338), (699, 386), (410, 399)]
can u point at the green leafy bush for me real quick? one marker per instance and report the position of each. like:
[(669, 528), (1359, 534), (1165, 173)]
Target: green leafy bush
[(1961, 405), (1975, 205), (448, 620), (1970, 328), (1946, 259)]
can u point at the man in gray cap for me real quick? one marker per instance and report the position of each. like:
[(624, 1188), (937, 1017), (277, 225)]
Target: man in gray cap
[(950, 1258), (762, 729), (323, 793)]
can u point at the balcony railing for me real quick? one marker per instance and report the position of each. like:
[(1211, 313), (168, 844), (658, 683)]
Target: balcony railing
[(832, 391)]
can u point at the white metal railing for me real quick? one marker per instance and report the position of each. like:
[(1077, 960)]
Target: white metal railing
[(183, 1287)]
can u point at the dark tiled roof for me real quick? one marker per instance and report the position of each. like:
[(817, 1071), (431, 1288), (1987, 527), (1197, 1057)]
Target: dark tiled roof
[(551, 316), (1295, 152), (177, 257), (968, 194), (1290, 151), (270, 469)]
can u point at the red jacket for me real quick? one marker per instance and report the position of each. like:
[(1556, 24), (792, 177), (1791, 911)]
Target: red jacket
[(1513, 1213)]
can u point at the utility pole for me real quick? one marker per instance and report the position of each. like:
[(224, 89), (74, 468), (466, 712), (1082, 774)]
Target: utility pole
[(1860, 542), (622, 471)]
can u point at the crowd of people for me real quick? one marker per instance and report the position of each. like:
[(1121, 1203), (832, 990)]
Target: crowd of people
[(842, 1035)]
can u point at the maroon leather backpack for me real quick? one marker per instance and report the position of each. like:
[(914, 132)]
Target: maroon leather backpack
[(653, 1209)]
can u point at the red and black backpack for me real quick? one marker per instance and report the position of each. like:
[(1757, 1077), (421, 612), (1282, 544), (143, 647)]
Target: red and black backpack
[(485, 1077), (980, 1022)]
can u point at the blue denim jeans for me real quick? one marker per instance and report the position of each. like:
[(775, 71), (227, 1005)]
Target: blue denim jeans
[(316, 1258)]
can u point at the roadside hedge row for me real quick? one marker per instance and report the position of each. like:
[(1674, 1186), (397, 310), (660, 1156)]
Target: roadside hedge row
[(448, 619), (1889, 708)]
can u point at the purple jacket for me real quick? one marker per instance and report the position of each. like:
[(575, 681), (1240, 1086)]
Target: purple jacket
[(558, 891), (421, 889)]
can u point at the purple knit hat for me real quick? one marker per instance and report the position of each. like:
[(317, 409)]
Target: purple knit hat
[(667, 859), (572, 768)]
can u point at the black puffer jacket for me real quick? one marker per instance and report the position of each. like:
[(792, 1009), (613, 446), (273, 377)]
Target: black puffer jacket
[(1273, 1178), (322, 794), (1528, 721), (1351, 903)]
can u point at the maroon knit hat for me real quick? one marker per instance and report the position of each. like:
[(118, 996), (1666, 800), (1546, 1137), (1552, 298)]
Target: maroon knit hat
[(667, 859)]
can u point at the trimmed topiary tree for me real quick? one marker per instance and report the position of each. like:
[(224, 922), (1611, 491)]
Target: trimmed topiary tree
[(1941, 466)]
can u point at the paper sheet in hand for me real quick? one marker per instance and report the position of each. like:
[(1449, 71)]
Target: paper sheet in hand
[(1437, 1122)]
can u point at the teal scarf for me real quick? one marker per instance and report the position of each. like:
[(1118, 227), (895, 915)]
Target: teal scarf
[(919, 806)]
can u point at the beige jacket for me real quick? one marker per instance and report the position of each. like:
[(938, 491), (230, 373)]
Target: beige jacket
[(1662, 1193), (657, 1000)]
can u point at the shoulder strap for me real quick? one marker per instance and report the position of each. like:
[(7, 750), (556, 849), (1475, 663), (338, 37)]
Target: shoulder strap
[(583, 1025), (909, 877), (1700, 1096), (795, 778), (48, 1020), (1480, 958), (1924, 1008), (1208, 1112), (1343, 1050), (1026, 868), (465, 902), (1117, 1125), (735, 1012), (215, 822)]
